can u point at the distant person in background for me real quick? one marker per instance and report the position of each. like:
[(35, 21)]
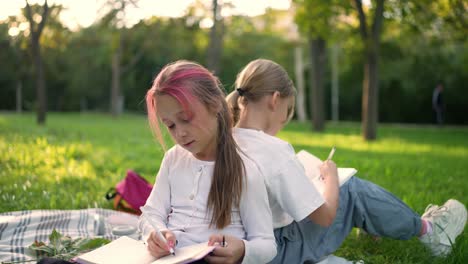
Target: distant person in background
[(438, 103)]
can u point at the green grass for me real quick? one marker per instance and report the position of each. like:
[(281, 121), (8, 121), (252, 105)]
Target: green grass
[(72, 161)]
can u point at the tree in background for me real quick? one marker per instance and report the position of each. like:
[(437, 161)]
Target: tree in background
[(422, 42), (116, 18), (370, 90), (318, 59), (317, 19), (215, 45), (35, 33), (312, 17)]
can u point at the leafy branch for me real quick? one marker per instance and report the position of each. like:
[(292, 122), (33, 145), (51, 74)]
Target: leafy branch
[(63, 247)]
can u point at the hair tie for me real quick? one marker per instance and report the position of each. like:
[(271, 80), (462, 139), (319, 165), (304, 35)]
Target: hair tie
[(240, 91)]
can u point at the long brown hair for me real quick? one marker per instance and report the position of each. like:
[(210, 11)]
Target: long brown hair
[(185, 80), (259, 78)]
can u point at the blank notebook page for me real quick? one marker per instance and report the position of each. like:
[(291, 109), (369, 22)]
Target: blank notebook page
[(187, 254), (123, 250)]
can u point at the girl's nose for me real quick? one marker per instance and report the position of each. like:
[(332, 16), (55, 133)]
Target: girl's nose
[(181, 133)]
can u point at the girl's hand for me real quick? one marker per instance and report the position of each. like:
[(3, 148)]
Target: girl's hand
[(326, 213), (232, 252), (157, 247), (329, 171)]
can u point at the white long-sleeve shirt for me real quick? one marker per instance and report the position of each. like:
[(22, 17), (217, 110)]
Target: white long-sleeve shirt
[(178, 202)]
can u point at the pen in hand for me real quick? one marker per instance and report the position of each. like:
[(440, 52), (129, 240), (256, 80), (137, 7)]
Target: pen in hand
[(159, 234), (332, 152), (224, 244), (330, 156)]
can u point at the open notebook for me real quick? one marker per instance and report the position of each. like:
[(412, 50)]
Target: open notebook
[(311, 165), (126, 250)]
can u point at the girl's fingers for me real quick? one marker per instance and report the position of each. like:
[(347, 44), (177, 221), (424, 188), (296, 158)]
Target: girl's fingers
[(327, 165), (170, 237), (215, 238), (222, 252), (158, 242), (156, 250), (215, 259), (220, 255)]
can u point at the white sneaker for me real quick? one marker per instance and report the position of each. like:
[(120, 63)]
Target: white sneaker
[(448, 221)]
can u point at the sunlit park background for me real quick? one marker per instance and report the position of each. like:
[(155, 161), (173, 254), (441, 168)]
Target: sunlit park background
[(73, 76)]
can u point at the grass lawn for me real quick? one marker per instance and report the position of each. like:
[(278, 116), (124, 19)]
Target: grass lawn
[(72, 161)]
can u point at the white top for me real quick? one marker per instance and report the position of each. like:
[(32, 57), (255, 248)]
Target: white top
[(178, 202), (291, 195)]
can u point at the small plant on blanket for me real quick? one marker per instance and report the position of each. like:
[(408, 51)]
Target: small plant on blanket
[(64, 247)]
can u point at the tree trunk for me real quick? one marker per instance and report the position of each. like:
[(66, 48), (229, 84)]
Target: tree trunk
[(115, 82), (335, 91), (35, 33), (299, 72), (318, 59), (216, 40), (40, 83), (19, 97), (370, 91), (370, 96)]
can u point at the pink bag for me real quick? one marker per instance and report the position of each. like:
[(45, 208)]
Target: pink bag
[(130, 193)]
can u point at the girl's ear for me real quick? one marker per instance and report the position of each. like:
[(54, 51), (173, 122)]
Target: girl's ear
[(274, 101)]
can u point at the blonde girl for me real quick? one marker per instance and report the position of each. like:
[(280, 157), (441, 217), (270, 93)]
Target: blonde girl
[(205, 188), (309, 226)]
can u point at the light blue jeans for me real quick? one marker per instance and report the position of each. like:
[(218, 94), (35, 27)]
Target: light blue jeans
[(362, 204)]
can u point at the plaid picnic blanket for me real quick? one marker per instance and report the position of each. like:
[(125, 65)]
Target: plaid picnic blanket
[(18, 230)]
